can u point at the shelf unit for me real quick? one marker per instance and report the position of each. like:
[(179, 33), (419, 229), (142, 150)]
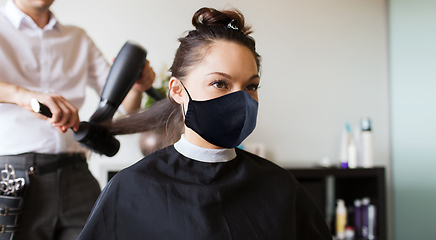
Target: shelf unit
[(325, 185)]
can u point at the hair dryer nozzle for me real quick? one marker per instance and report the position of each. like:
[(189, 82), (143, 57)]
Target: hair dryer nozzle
[(97, 139)]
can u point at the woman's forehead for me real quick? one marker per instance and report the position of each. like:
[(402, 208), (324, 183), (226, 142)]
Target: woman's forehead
[(227, 56)]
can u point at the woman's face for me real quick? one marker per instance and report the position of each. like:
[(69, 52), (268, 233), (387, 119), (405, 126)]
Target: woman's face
[(227, 67)]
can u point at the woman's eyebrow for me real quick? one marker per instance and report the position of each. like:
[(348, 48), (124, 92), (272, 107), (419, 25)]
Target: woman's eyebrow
[(229, 77), (220, 73), (254, 77)]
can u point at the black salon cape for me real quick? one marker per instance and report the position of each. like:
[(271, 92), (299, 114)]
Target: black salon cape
[(169, 196)]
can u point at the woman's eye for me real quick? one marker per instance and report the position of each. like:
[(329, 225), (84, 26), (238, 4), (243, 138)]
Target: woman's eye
[(252, 87), (219, 84)]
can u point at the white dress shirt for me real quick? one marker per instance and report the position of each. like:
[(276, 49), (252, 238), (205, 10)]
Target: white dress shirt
[(57, 59)]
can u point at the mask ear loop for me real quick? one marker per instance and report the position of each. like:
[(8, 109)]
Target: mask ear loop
[(189, 95), (183, 85)]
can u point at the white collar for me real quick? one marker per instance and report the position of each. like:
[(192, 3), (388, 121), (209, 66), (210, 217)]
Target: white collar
[(195, 152), (16, 16)]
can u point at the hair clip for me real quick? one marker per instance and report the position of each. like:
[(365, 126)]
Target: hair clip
[(232, 25), (200, 19)]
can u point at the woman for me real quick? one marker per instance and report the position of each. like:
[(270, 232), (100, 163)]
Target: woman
[(202, 187)]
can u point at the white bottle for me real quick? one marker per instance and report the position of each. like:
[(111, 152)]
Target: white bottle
[(367, 144), (341, 219), (352, 152), (358, 140), (371, 221)]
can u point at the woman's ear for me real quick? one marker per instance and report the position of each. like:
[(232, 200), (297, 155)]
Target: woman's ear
[(176, 90)]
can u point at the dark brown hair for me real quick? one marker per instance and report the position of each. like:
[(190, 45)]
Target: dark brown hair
[(210, 25)]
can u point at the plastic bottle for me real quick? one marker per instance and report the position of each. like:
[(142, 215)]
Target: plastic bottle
[(371, 221), (367, 144), (343, 151), (365, 205), (358, 140), (352, 152), (341, 219), (349, 233), (358, 218)]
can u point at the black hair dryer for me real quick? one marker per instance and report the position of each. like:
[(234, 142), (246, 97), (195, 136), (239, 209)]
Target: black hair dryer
[(124, 72)]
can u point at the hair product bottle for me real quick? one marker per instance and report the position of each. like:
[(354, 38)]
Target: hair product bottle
[(371, 221), (352, 152), (358, 140), (341, 219), (357, 218), (343, 151), (365, 205), (367, 144)]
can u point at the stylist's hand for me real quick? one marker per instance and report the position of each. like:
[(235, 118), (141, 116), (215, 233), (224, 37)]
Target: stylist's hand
[(133, 99), (146, 79), (65, 114)]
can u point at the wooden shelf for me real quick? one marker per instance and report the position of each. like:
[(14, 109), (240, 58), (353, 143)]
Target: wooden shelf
[(325, 185)]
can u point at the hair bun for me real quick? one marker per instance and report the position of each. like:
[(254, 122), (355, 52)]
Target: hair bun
[(206, 18)]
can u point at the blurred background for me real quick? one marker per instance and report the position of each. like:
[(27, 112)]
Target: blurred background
[(325, 63)]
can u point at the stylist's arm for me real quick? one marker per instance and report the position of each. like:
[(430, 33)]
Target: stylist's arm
[(65, 114)]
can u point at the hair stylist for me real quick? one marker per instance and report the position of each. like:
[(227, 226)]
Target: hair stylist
[(203, 187), (43, 59)]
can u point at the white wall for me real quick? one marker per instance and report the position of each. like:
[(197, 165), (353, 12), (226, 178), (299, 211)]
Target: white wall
[(324, 64)]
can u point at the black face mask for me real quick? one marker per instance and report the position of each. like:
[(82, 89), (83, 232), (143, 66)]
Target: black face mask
[(224, 121)]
